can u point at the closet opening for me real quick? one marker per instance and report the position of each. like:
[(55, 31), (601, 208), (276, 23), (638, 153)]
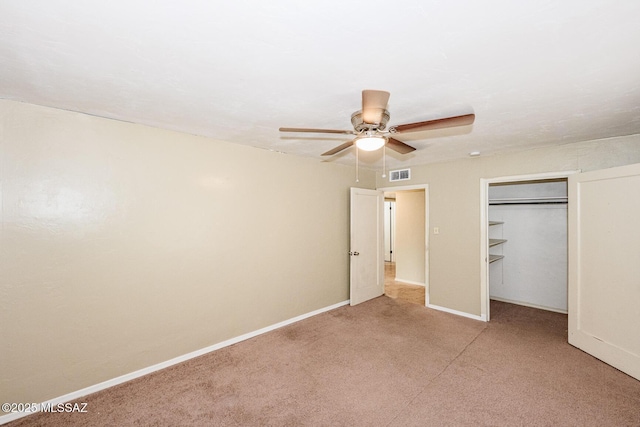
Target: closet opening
[(524, 237)]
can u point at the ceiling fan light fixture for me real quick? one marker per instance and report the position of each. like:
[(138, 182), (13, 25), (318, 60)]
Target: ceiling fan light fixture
[(370, 142)]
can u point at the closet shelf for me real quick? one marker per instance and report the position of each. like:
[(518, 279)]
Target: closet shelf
[(493, 258), (494, 242), (528, 200)]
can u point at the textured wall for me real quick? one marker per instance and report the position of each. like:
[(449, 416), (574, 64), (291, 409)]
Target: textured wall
[(123, 246), (410, 236)]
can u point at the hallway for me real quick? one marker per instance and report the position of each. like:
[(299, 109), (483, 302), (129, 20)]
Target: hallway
[(397, 290)]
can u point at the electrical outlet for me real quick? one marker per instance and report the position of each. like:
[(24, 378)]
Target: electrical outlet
[(436, 230)]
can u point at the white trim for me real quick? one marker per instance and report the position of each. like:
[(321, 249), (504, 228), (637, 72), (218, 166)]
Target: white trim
[(410, 282), (424, 187), (458, 313), (162, 365), (404, 187), (484, 224), (533, 176)]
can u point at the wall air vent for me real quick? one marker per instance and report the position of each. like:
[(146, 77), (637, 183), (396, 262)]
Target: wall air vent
[(400, 175)]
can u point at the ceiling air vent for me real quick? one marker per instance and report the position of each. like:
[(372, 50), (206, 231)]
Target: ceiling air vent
[(400, 175)]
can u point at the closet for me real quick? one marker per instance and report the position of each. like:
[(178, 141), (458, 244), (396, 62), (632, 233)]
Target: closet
[(528, 243)]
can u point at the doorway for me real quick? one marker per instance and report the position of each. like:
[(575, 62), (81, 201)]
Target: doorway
[(389, 226), (524, 241), (406, 264)]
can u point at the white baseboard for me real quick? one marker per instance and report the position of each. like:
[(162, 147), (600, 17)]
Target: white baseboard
[(144, 371), (482, 318), (409, 282), (526, 304)]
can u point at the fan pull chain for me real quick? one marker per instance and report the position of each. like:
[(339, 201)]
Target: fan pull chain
[(357, 179)]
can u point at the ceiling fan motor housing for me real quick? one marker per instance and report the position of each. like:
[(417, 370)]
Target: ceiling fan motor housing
[(359, 125)]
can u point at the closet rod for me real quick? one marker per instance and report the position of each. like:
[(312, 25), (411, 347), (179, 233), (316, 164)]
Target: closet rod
[(529, 201)]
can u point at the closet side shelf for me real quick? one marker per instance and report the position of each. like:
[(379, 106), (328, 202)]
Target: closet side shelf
[(494, 242), (493, 257)]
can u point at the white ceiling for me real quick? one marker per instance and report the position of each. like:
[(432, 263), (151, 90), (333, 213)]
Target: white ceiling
[(535, 73)]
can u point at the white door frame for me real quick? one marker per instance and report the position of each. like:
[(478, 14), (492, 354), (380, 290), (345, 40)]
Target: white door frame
[(424, 187), (484, 227)]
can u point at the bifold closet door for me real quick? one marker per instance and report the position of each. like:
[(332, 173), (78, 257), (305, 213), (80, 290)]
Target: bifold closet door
[(604, 265)]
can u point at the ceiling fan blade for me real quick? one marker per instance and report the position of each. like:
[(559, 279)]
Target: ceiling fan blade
[(447, 122), (339, 148), (399, 146), (374, 103), (348, 132)]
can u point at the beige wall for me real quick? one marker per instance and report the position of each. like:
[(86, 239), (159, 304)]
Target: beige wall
[(410, 236), (123, 246), (454, 207)]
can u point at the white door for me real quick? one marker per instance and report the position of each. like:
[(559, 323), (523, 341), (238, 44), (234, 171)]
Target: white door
[(604, 265), (367, 245)]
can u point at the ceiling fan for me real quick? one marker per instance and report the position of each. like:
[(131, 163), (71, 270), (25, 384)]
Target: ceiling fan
[(369, 126)]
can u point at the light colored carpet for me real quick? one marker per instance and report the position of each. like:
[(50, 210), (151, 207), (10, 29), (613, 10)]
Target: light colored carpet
[(381, 363)]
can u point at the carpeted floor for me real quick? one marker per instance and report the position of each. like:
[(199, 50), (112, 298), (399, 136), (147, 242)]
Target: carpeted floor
[(385, 362)]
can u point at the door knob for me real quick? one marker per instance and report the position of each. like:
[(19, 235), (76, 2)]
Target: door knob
[(354, 253)]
